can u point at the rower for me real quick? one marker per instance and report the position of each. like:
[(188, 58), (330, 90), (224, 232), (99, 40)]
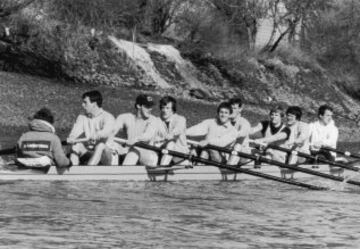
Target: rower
[(243, 127), (171, 128), (323, 132), (96, 125), (299, 134), (273, 131), (139, 126), (217, 131), (40, 147)]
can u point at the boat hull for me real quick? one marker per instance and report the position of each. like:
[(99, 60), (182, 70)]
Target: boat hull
[(176, 173)]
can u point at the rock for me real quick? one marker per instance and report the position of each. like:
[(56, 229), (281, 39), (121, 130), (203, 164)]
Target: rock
[(198, 93)]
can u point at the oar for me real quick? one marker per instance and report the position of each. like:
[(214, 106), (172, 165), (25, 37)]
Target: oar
[(8, 151), (284, 165), (345, 153), (222, 166), (323, 160), (79, 140)]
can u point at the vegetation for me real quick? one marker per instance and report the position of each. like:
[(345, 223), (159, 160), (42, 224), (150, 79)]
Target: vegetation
[(313, 45)]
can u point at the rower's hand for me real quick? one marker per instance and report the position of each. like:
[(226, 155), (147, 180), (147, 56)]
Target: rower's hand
[(260, 143), (94, 137), (131, 142), (169, 136), (316, 146), (70, 140), (203, 143)]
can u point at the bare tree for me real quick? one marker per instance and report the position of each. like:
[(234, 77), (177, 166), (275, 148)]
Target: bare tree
[(243, 15), (8, 8), (290, 18)]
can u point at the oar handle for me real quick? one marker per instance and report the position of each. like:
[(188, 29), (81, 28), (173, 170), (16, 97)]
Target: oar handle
[(305, 155), (345, 153), (8, 151), (193, 143), (75, 141), (120, 140)]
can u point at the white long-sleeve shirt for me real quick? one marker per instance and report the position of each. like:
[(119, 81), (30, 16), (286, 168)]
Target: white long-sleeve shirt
[(217, 134), (323, 135), (99, 126)]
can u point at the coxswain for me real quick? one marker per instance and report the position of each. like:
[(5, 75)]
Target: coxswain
[(96, 126), (40, 147)]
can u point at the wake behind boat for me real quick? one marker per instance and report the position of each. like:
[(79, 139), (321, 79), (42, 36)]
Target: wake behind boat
[(174, 173)]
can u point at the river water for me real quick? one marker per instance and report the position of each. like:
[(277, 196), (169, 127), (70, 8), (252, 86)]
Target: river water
[(253, 214)]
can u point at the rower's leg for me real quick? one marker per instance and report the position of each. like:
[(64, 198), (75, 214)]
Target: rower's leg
[(216, 156), (235, 159), (166, 159), (96, 156), (132, 157), (109, 157), (77, 151), (148, 157), (205, 155), (277, 155)]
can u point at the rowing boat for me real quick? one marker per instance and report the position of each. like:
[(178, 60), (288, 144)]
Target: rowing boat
[(174, 173)]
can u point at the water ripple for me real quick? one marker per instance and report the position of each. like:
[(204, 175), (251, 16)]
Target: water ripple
[(176, 215)]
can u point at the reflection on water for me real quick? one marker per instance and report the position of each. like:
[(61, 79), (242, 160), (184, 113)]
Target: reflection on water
[(176, 215)]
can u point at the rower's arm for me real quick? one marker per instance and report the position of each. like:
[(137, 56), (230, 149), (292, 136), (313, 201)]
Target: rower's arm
[(149, 133), (78, 128), (244, 131), (332, 138), (274, 138), (256, 129), (107, 129), (180, 127), (119, 125), (304, 136), (225, 140), (59, 155), (200, 129)]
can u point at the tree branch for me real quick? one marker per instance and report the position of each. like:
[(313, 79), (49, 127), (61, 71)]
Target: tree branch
[(11, 10)]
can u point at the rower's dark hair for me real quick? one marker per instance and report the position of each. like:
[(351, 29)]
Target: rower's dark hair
[(323, 109), (224, 105), (166, 100), (295, 110), (94, 96), (44, 114), (278, 109), (236, 101)]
